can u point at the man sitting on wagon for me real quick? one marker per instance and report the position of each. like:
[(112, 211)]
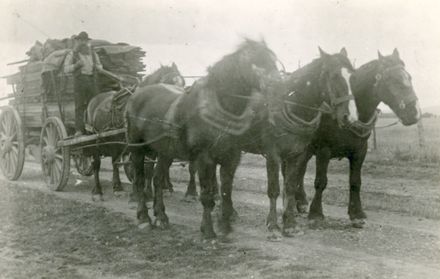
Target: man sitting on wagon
[(83, 63)]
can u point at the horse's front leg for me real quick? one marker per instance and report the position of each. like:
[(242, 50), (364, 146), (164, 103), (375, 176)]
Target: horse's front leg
[(191, 190), (292, 178), (117, 185), (97, 189), (227, 171), (355, 211), (159, 180), (300, 195), (322, 160), (206, 169), (273, 191), (138, 188)]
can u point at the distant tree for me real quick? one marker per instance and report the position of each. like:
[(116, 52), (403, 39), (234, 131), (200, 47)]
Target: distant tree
[(428, 115)]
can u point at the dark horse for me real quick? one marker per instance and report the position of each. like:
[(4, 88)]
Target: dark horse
[(201, 124), (383, 80), (286, 121), (105, 111)]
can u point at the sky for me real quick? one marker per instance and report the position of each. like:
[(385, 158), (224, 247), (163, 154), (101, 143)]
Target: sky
[(196, 33)]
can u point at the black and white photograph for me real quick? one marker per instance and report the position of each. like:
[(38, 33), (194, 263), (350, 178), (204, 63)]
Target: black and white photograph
[(220, 139)]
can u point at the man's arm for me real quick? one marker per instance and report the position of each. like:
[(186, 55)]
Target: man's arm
[(69, 66), (98, 64)]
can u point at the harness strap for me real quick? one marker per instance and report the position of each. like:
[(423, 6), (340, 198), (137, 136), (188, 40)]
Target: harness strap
[(340, 100)]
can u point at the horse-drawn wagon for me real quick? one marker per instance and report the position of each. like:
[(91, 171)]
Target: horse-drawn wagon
[(41, 111)]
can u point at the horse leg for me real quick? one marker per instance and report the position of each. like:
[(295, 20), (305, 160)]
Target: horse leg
[(138, 188), (273, 191), (117, 186), (191, 190), (322, 160), (159, 179), (355, 211), (168, 184), (205, 168), (300, 195), (227, 172), (292, 176), (97, 189), (149, 172)]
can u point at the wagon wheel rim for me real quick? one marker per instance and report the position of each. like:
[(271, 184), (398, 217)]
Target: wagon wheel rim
[(11, 144), (55, 161), (83, 164)]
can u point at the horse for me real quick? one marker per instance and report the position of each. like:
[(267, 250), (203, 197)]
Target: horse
[(382, 80), (285, 124), (200, 124), (99, 111)]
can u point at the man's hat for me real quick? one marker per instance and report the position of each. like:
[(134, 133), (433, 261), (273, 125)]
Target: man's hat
[(82, 36)]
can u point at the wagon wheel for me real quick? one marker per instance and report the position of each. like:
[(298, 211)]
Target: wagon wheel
[(11, 143), (128, 168), (83, 164), (55, 160)]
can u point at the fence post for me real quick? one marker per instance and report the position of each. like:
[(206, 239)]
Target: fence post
[(421, 133), (374, 139)]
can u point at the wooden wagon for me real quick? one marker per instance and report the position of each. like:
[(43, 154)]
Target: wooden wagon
[(42, 111)]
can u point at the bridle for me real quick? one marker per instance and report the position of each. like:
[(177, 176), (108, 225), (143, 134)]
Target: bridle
[(384, 76)]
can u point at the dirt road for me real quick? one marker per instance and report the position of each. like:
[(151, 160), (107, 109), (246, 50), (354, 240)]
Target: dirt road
[(45, 234)]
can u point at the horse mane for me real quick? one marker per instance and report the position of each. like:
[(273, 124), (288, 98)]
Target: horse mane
[(364, 76), (313, 68), (225, 71)]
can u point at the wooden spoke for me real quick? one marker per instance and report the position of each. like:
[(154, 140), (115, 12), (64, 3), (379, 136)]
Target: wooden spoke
[(55, 160), (12, 143)]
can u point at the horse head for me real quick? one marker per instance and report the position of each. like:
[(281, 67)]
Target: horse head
[(324, 81), (165, 74), (243, 68), (393, 86)]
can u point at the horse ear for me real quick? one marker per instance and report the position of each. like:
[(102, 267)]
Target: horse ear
[(321, 52), (379, 55), (174, 66), (343, 52), (396, 53)]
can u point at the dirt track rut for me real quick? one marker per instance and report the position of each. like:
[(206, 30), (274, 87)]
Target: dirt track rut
[(392, 245)]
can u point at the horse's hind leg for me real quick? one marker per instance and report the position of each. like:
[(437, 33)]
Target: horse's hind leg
[(191, 190), (97, 189), (159, 179), (138, 187), (227, 171), (117, 186), (205, 169)]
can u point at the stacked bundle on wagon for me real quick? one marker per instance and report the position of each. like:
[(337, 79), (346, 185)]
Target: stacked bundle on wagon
[(41, 109)]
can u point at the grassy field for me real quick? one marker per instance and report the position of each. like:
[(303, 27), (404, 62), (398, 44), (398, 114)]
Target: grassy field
[(400, 143)]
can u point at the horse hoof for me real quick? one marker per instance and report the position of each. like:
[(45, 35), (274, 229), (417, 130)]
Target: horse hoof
[(118, 193), (292, 232), (275, 236), (143, 226), (97, 197), (315, 216), (358, 223), (161, 224), (234, 216), (190, 198), (208, 234), (302, 208)]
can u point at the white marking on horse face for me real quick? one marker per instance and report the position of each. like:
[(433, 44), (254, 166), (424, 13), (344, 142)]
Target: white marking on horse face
[(351, 104), (308, 83)]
